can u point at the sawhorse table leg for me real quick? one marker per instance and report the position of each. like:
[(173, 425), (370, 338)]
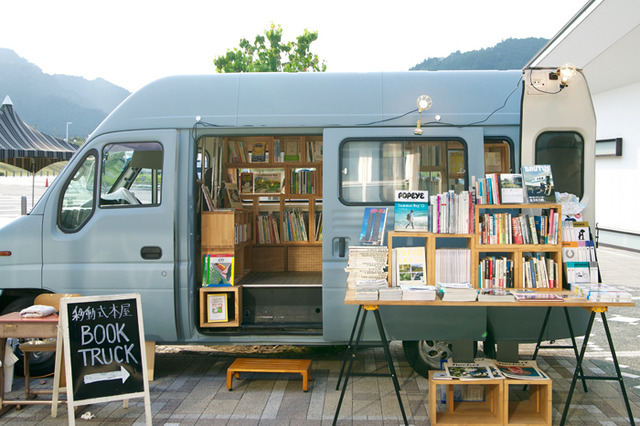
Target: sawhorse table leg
[(387, 352), (578, 370)]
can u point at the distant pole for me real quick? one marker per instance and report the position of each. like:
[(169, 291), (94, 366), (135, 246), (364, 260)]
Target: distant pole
[(67, 138)]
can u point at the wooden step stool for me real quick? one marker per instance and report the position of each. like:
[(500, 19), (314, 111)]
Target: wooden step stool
[(265, 365)]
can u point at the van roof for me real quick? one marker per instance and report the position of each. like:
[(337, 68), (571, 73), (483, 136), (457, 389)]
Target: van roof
[(319, 100)]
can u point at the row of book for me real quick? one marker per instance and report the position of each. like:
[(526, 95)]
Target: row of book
[(452, 213), (533, 185), (283, 151), (504, 228), (495, 272), (539, 272), (453, 265), (293, 226), (303, 181), (267, 230)]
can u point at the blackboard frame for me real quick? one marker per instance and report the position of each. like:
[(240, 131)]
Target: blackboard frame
[(106, 328)]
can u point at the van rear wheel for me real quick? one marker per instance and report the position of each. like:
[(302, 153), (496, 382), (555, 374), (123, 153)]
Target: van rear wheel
[(40, 363), (425, 355)]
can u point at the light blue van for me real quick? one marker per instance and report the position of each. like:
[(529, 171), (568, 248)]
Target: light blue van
[(124, 215)]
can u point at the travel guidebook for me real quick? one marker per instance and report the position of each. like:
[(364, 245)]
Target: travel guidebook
[(411, 211), (373, 223), (538, 182)]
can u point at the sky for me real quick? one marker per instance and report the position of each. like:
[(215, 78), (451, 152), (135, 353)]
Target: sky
[(134, 42)]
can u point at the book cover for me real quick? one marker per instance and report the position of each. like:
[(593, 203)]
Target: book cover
[(511, 188), (217, 270), (217, 310), (235, 201), (538, 182), (373, 224), (410, 266), (267, 182), (258, 152), (246, 182), (291, 152), (411, 211), (207, 197)]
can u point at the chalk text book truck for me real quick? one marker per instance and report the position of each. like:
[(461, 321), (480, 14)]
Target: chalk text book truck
[(127, 214)]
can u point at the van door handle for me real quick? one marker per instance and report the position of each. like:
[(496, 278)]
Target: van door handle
[(151, 252)]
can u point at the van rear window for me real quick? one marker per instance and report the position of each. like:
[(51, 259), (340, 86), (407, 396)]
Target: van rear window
[(372, 170), (565, 152)]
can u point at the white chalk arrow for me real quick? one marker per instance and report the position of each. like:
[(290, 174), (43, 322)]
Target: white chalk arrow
[(123, 375)]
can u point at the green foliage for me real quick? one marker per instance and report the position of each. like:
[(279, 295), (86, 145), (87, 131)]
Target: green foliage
[(267, 52), (507, 55)]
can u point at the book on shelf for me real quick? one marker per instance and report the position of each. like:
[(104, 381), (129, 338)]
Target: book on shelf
[(578, 251), (217, 310), (451, 213), (538, 182), (575, 231), (318, 232), (235, 201), (237, 152), (495, 272), (581, 272), (373, 224), (536, 296), (217, 270), (411, 211), (539, 271), (259, 152), (504, 228), (267, 231), (511, 188), (410, 265), (267, 182), (278, 155), (523, 370), (302, 181), (453, 265), (291, 150), (207, 197), (294, 227), (457, 292), (495, 295), (314, 151), (246, 182)]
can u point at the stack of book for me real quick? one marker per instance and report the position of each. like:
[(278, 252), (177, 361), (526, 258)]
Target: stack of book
[(453, 265), (457, 292), (452, 213), (366, 267), (418, 292), (390, 293), (602, 293)]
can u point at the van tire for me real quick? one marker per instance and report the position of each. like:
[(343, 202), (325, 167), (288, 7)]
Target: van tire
[(40, 363), (425, 355)]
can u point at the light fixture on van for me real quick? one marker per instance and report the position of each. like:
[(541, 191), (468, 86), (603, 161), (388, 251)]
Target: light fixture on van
[(565, 73), (424, 103)]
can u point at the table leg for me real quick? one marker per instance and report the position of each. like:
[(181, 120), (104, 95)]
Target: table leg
[(349, 347), (3, 408), (353, 355)]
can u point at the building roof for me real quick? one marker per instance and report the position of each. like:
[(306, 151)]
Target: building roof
[(19, 140), (602, 39)]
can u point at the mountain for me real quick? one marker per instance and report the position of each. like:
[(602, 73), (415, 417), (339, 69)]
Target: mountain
[(510, 54), (47, 102)]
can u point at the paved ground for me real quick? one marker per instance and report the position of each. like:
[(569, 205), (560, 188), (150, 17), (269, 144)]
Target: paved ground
[(189, 386)]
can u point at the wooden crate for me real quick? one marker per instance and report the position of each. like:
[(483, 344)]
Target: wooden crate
[(234, 305)]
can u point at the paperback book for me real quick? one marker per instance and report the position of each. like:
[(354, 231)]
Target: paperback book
[(217, 270), (538, 182), (411, 211), (373, 224), (410, 265)]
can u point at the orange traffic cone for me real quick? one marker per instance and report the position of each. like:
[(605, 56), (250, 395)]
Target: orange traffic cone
[(46, 184)]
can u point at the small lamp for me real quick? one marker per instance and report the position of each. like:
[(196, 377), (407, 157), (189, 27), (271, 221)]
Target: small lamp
[(424, 103), (565, 73)]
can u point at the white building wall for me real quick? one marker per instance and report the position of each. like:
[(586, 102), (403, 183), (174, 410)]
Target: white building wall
[(617, 178)]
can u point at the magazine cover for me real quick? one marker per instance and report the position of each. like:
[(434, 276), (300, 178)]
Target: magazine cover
[(217, 270), (258, 153), (520, 370), (468, 370), (217, 308), (511, 188), (538, 182), (410, 265), (267, 182), (411, 211), (373, 223)]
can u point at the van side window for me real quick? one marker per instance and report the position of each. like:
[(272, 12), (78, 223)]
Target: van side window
[(565, 152), (497, 156), (77, 201), (372, 170), (131, 174)]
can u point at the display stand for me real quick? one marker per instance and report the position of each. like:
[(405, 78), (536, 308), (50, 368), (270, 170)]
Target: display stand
[(351, 353)]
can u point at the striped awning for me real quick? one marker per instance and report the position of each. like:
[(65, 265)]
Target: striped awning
[(19, 140)]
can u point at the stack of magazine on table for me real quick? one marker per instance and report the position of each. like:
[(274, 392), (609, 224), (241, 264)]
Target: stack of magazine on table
[(367, 271), (495, 295), (457, 292), (418, 292), (483, 369), (603, 293)]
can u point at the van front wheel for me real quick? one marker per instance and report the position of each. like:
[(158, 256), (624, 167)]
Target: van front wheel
[(425, 355)]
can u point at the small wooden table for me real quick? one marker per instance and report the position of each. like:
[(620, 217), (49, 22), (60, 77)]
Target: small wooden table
[(12, 325), (266, 365)]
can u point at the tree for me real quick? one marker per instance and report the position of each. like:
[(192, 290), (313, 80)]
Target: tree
[(267, 52)]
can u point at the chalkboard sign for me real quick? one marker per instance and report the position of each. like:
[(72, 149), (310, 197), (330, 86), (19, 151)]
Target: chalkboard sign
[(104, 349)]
